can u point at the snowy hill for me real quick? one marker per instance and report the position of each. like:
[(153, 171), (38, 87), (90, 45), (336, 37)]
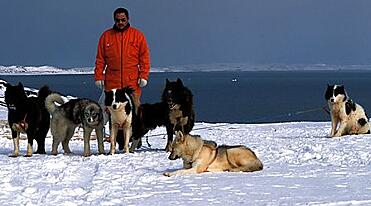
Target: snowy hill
[(302, 166)]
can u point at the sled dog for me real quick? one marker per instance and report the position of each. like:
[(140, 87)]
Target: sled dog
[(200, 156), (347, 117), (27, 115), (149, 117), (175, 112), (180, 112), (122, 107), (71, 114)]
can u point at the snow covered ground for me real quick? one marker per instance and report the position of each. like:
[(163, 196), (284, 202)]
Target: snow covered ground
[(302, 166)]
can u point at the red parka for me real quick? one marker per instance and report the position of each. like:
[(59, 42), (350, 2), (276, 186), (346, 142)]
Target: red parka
[(124, 57)]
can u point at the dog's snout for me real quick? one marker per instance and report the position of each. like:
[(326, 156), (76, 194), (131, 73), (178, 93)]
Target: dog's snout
[(114, 106), (90, 120), (332, 100), (172, 157)]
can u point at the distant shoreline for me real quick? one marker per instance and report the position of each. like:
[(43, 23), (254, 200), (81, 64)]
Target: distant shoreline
[(181, 71), (219, 67)]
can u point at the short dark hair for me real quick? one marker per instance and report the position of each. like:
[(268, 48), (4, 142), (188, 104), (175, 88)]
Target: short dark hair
[(121, 10)]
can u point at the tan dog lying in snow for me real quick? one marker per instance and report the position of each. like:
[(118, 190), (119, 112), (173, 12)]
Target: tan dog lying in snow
[(203, 156)]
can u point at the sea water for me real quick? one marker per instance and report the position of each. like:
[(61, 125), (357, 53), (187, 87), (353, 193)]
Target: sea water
[(236, 97)]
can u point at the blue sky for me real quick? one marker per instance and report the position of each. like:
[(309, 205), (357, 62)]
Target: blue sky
[(65, 33)]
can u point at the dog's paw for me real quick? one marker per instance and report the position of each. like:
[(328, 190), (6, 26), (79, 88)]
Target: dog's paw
[(337, 135), (27, 155), (40, 152), (88, 154), (167, 174), (14, 155), (112, 150)]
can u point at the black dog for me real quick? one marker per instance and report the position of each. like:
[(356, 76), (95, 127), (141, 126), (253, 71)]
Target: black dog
[(175, 111), (179, 100), (149, 117), (27, 115)]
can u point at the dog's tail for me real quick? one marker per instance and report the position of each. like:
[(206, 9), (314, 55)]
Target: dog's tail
[(50, 102)]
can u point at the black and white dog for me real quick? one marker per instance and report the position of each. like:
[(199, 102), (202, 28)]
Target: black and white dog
[(27, 115), (123, 107), (347, 117)]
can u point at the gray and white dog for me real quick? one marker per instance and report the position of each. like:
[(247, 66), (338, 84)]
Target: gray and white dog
[(71, 114)]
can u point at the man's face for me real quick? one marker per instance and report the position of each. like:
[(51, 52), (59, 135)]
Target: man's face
[(121, 20)]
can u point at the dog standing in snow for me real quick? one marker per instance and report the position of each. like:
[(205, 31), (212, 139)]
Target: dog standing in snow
[(347, 117), (27, 115), (123, 108)]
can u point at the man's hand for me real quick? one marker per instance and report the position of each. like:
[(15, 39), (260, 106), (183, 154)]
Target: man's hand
[(142, 82), (99, 84)]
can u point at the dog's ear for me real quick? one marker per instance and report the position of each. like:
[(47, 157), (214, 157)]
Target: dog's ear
[(179, 82), (20, 84), (180, 136), (167, 81), (342, 91), (329, 92)]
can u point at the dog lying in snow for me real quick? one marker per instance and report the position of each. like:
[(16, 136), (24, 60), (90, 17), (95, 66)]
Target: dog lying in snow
[(204, 156)]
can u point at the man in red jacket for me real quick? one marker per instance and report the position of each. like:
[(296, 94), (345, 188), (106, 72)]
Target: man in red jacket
[(122, 59), (123, 55)]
